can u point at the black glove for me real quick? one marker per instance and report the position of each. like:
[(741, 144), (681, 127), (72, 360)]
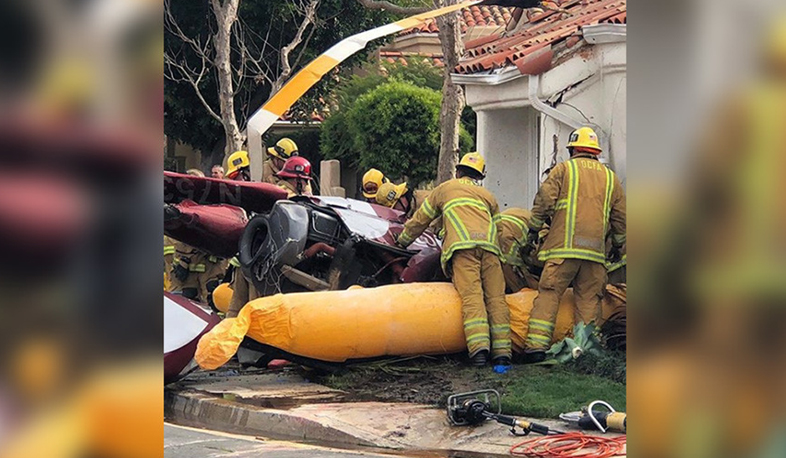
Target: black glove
[(530, 245), (532, 237), (180, 272), (615, 254)]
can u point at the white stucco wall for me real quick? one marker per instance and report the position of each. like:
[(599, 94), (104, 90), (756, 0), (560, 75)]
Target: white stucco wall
[(509, 170), (519, 142)]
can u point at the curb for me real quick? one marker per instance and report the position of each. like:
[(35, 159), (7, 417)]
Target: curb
[(202, 410), (192, 408)]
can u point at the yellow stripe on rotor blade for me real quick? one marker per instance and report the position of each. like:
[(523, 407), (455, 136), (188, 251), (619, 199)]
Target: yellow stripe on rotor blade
[(299, 84)]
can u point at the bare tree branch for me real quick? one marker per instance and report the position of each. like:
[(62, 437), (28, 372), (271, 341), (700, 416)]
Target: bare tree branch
[(304, 47), (309, 16), (171, 26), (190, 76), (393, 8), (236, 55)]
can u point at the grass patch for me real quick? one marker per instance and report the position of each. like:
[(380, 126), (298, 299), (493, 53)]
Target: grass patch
[(544, 392)]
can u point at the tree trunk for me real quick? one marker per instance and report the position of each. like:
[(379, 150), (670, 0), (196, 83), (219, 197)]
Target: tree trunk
[(452, 94), (213, 156), (226, 15)]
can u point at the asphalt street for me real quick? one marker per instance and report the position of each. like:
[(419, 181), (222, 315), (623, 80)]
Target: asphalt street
[(183, 442)]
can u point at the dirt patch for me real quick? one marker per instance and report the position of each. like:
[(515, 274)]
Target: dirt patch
[(424, 381)]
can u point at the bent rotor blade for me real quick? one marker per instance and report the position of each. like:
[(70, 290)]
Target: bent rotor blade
[(283, 100)]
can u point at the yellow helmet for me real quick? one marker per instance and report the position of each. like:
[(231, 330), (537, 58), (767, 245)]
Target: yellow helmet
[(284, 149), (390, 193), (475, 162), (372, 181), (585, 137), (237, 161)]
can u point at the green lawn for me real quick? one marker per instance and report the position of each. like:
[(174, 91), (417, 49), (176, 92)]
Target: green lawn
[(546, 392)]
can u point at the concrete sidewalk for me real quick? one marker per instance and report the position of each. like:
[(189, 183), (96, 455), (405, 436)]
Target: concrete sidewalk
[(283, 405)]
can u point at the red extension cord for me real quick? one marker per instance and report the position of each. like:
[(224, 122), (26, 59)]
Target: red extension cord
[(573, 445)]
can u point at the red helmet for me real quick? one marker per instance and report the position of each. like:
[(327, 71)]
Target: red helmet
[(296, 167)]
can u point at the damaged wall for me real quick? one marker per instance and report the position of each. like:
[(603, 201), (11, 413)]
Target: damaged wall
[(589, 87)]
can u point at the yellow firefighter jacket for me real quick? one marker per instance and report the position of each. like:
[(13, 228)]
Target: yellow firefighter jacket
[(585, 201), (467, 209), (269, 171), (512, 228), (292, 191)]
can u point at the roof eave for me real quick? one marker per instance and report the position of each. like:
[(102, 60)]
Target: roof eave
[(496, 77), (605, 33)]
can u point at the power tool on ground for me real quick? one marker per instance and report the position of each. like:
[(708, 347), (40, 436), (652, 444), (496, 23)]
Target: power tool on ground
[(603, 420), (474, 408)]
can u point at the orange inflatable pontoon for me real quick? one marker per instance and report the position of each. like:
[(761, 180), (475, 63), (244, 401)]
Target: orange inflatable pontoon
[(393, 320)]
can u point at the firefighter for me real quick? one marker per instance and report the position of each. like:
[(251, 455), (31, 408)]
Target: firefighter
[(242, 290), (512, 229), (584, 200), (395, 196), (296, 177), (277, 155), (372, 181), (169, 258), (195, 274), (239, 166), (470, 256), (399, 197)]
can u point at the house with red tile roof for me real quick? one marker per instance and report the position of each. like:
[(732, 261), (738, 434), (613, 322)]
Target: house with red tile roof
[(543, 76), (422, 42)]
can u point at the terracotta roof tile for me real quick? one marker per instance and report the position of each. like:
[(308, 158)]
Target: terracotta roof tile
[(403, 57), (543, 29), (621, 18), (494, 16), (314, 116)]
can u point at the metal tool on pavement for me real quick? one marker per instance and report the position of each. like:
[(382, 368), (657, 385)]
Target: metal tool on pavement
[(603, 420), (474, 408)]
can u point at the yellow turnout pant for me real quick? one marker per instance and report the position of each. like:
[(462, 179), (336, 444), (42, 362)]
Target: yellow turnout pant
[(477, 276), (589, 280)]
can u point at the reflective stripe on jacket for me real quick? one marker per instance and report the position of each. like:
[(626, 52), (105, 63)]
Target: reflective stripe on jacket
[(585, 201), (512, 228), (611, 267), (169, 246), (467, 210), (193, 259)]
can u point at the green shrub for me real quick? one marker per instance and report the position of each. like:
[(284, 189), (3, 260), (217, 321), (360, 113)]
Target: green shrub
[(336, 140), (363, 138), (395, 128)]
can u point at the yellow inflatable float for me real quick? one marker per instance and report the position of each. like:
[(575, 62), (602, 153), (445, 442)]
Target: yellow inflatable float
[(222, 296), (394, 320)]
